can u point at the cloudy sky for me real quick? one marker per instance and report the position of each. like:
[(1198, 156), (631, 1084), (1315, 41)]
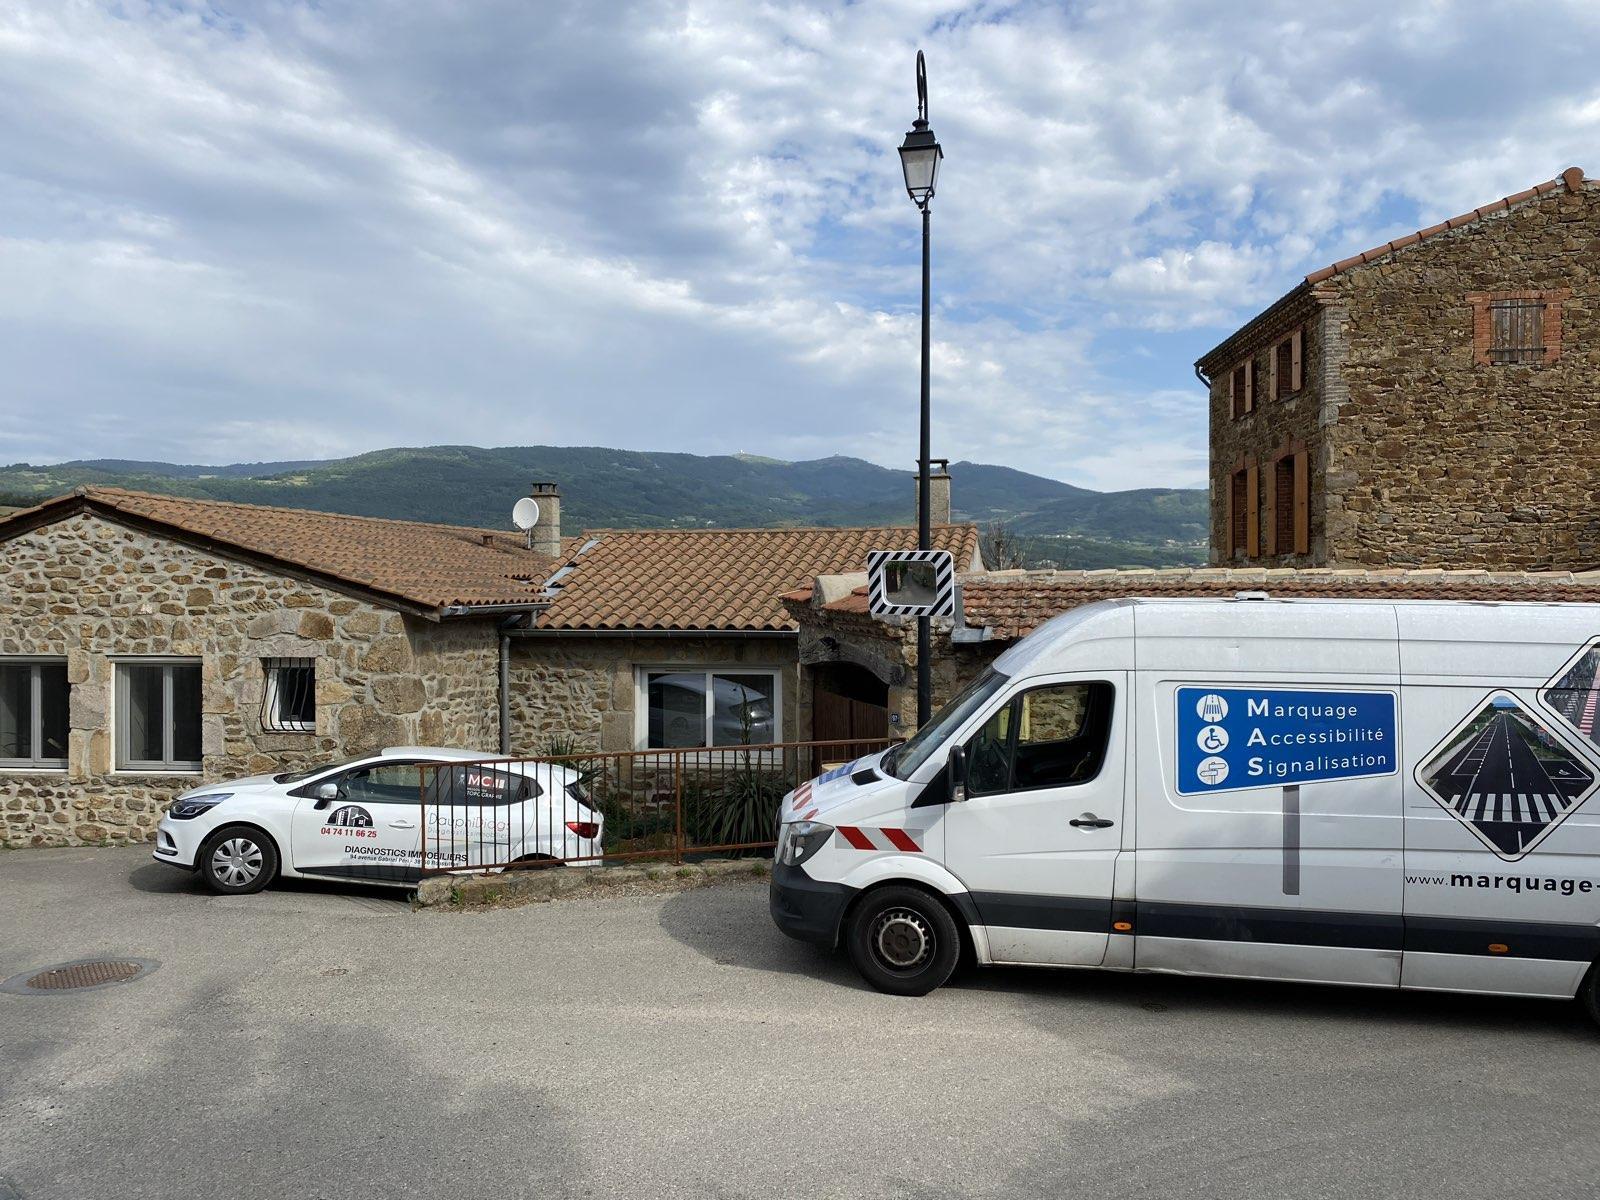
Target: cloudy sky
[(250, 231)]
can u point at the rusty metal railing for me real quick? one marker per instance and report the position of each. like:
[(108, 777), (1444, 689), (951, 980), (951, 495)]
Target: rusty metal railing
[(586, 809)]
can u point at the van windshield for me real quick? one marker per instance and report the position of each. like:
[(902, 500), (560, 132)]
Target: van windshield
[(902, 761)]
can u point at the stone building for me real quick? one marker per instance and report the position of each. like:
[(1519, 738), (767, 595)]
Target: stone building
[(149, 642), (1424, 402)]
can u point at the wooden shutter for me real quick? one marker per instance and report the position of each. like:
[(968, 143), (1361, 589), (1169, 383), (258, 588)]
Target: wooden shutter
[(1227, 523), (1297, 357), (1252, 512), (1250, 385), (1270, 487), (1302, 503)]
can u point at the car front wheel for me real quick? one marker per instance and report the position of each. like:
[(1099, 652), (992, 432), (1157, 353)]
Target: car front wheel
[(238, 860), (903, 941)]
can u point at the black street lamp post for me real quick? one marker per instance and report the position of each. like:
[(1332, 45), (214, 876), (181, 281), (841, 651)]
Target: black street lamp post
[(919, 158)]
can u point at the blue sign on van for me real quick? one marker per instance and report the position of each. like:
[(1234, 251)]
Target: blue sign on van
[(1231, 738)]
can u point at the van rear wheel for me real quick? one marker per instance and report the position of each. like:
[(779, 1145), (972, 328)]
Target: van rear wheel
[(1589, 993), (903, 941)]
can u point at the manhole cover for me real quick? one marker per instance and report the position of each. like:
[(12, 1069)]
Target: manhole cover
[(78, 976)]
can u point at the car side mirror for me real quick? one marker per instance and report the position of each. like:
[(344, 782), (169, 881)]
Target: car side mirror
[(956, 771), (324, 793)]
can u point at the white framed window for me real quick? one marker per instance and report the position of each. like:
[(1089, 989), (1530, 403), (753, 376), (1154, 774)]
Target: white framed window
[(33, 713), (158, 715), (289, 700), (686, 708)]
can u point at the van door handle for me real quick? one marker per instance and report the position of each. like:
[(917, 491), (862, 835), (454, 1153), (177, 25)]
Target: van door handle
[(409, 825), (1090, 821)]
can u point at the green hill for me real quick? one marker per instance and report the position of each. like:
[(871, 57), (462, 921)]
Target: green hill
[(601, 488)]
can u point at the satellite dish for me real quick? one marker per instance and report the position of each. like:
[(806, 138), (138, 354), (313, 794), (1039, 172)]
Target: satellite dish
[(525, 515)]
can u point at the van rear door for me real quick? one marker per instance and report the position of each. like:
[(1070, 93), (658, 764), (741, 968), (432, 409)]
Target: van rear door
[(1037, 839)]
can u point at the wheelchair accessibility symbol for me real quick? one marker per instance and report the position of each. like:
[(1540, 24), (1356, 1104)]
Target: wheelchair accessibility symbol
[(1213, 739)]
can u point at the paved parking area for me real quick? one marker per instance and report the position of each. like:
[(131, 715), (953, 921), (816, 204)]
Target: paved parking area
[(309, 1042)]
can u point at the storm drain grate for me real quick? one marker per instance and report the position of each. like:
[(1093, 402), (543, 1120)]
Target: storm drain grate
[(79, 976)]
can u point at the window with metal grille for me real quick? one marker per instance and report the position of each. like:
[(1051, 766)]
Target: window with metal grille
[(289, 701), (1516, 331)]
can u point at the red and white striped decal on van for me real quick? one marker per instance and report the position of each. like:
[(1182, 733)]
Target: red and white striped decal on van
[(862, 838)]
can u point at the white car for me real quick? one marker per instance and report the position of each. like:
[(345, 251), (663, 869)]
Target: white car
[(378, 818)]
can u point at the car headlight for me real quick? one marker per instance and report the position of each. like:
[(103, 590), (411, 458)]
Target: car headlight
[(799, 840), (187, 810)]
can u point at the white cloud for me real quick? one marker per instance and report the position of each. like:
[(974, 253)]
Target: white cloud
[(295, 230)]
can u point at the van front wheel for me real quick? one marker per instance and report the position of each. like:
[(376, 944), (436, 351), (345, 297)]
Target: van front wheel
[(903, 941)]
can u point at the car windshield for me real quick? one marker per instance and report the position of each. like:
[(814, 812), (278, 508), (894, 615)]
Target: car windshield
[(308, 772), (902, 761)]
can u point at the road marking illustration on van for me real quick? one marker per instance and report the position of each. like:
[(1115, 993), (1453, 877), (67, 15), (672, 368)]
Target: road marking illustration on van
[(1232, 738), (1573, 693), (1506, 776)]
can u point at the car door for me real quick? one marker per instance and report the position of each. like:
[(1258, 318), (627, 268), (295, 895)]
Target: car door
[(476, 814), (369, 831), (1037, 838)]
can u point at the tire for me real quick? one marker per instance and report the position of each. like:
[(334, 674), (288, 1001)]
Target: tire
[(1589, 993), (903, 941), (238, 860)]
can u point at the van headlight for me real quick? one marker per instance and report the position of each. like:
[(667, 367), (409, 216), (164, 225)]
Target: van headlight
[(799, 840), (187, 810)]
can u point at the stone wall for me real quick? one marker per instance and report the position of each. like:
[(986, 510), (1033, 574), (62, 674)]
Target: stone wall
[(584, 688), (1274, 427), (1438, 458), (88, 589)]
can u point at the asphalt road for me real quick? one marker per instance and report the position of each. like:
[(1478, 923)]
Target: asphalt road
[(1498, 783), (309, 1042)]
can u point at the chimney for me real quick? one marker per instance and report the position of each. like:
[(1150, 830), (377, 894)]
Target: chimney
[(938, 491), (545, 537)]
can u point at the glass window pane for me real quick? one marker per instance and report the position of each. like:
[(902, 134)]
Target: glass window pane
[(1062, 735), (989, 755), (743, 710), (146, 712), (294, 694), (53, 719), (185, 713), (16, 710), (677, 717)]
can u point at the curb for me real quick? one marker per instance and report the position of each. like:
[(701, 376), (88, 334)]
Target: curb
[(534, 886)]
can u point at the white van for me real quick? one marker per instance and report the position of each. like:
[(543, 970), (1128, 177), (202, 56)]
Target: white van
[(1386, 793)]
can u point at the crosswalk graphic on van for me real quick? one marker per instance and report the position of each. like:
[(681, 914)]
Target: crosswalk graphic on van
[(1506, 777)]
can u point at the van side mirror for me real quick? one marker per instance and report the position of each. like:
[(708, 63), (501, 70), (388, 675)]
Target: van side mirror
[(956, 772), (325, 792)]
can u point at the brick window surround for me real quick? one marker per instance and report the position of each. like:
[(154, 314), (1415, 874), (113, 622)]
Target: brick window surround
[(1242, 388), (1286, 484), (1547, 321), (1286, 365)]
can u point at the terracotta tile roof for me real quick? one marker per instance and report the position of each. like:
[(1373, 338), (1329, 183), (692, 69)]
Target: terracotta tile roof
[(421, 565), (718, 579), (1288, 308), (1012, 604)]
